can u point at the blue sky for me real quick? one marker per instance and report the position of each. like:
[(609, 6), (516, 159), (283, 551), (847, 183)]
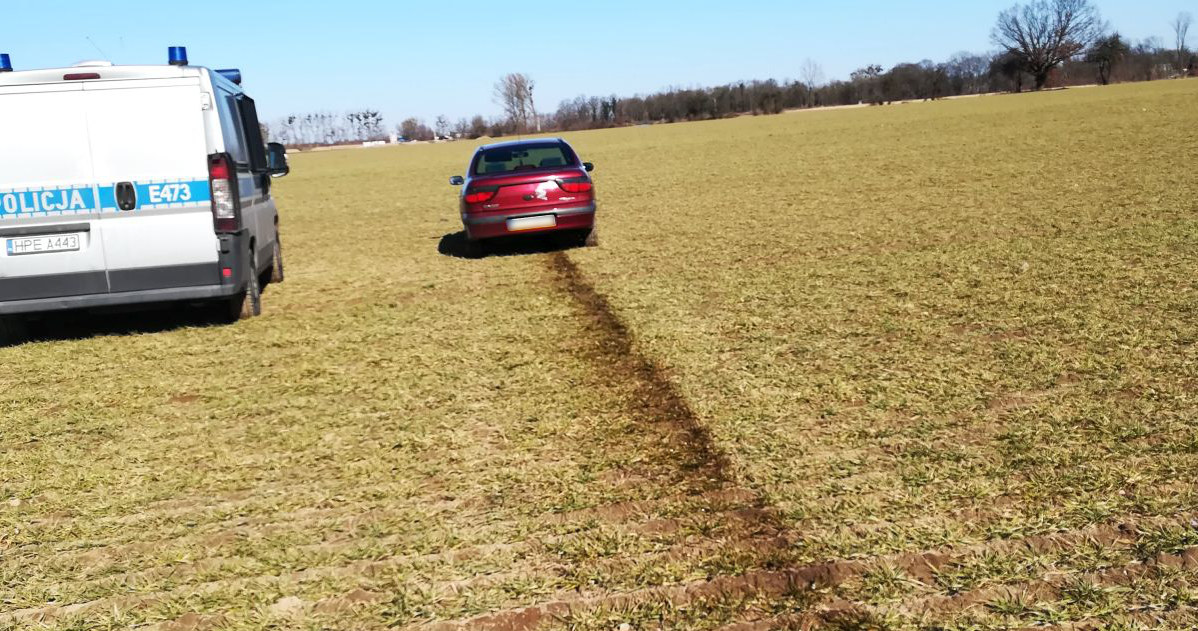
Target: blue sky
[(430, 58)]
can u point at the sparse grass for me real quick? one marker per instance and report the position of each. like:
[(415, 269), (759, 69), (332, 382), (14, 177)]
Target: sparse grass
[(947, 326)]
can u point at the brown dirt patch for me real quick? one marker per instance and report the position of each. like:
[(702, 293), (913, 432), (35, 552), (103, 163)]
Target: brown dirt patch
[(191, 621), (660, 399)]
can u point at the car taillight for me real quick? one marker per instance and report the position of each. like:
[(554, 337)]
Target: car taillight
[(480, 194), (575, 185), (224, 204)]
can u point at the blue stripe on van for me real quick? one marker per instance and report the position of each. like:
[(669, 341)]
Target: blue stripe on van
[(166, 194), (107, 195), (160, 194), (81, 199), (54, 201)]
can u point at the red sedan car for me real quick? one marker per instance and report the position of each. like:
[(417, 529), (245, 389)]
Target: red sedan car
[(527, 187)]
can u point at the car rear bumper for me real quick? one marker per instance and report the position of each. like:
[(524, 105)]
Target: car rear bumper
[(495, 225)]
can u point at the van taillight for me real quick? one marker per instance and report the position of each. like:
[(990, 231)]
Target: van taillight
[(575, 185), (224, 202), (478, 195)]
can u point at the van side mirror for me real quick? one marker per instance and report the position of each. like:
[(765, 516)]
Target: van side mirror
[(457, 180), (588, 166), (276, 160)]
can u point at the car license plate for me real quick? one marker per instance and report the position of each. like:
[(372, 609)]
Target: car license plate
[(531, 223), (42, 244)]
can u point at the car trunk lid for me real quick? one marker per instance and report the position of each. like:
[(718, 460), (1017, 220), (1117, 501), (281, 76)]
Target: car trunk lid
[(530, 190)]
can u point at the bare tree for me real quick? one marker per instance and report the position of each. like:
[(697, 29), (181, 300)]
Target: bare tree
[(514, 93), (368, 124), (533, 106), (1047, 33), (461, 129), (1181, 29), (415, 129), (812, 76), (1106, 54), (1010, 66), (967, 73), (866, 82), (1144, 61), (478, 127), (442, 126)]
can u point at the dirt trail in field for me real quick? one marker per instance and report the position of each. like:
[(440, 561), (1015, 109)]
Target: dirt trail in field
[(758, 537), (662, 402)]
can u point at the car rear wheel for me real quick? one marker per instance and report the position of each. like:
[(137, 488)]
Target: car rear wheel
[(585, 238)]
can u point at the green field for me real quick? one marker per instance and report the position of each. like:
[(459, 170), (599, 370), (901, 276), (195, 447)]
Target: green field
[(922, 366)]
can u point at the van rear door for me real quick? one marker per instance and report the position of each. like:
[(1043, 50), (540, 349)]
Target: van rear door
[(150, 163), (51, 238)]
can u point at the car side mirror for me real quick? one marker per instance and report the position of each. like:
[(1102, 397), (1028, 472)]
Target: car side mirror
[(588, 166), (457, 180), (276, 160)]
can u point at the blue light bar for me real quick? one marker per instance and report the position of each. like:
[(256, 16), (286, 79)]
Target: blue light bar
[(232, 74), (5, 63), (178, 55)]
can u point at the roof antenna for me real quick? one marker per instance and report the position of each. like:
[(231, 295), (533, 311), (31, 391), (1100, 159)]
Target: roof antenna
[(96, 46)]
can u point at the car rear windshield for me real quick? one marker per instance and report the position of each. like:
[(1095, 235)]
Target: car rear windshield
[(524, 158)]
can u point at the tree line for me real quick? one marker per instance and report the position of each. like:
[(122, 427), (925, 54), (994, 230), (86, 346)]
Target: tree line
[(327, 128), (1041, 44)]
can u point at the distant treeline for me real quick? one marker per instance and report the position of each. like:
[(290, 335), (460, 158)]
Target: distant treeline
[(327, 128), (1109, 59), (962, 75)]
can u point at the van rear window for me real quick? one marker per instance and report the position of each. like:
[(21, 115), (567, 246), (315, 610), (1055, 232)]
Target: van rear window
[(230, 127), (524, 158)]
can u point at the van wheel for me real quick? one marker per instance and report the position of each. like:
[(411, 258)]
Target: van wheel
[(251, 303), (245, 304), (13, 330), (276, 267)]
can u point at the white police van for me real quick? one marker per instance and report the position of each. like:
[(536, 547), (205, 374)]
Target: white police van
[(126, 185)]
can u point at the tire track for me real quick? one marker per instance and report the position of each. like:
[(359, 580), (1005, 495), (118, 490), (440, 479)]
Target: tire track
[(660, 400)]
